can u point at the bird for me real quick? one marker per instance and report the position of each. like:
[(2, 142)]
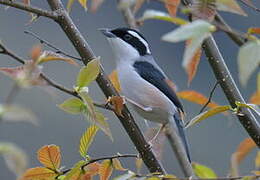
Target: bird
[(143, 83)]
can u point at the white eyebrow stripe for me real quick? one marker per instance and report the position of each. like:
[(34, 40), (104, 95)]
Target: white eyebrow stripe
[(141, 39)]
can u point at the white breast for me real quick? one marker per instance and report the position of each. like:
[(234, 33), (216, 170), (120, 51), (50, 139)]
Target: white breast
[(145, 94)]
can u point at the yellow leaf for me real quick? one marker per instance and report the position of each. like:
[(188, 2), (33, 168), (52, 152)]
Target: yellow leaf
[(257, 160), (203, 171), (117, 165), (209, 113), (83, 3), (196, 97), (118, 103), (86, 140), (47, 56), (69, 4), (172, 6), (76, 172), (138, 164), (192, 66), (88, 73), (114, 80), (244, 148), (39, 173), (50, 156), (105, 170)]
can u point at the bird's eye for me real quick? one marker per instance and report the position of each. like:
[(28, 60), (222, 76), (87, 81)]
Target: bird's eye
[(127, 37)]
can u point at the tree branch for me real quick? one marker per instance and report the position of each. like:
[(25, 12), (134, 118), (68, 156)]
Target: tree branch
[(50, 82), (104, 83), (32, 9)]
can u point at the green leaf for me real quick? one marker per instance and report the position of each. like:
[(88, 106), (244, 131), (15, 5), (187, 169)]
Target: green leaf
[(76, 171), (88, 73), (154, 14), (209, 113), (250, 106), (86, 140), (15, 158), (72, 106), (248, 60), (203, 171), (230, 6), (93, 115)]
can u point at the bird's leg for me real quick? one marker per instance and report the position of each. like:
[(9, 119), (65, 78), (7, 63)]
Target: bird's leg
[(157, 134)]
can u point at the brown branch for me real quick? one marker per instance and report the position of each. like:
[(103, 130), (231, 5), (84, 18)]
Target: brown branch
[(32, 9), (50, 82), (104, 83)]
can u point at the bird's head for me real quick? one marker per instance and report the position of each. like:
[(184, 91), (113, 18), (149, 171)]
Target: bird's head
[(127, 43)]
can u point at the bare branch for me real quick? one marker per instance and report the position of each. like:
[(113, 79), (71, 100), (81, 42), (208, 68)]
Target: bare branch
[(250, 6), (42, 41), (50, 82), (104, 83), (32, 9)]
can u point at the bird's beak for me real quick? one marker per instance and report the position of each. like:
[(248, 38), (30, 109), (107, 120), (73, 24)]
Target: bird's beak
[(107, 33)]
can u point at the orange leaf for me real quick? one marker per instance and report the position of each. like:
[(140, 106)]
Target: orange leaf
[(50, 156), (36, 52), (191, 68), (118, 103), (255, 98), (117, 165), (105, 170), (38, 173), (196, 97), (92, 169), (172, 6), (114, 80), (95, 4), (244, 148), (254, 30)]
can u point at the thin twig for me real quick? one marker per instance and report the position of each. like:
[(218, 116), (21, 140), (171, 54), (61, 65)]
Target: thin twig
[(210, 97), (50, 82), (104, 158), (110, 158), (42, 41), (250, 6), (32, 9)]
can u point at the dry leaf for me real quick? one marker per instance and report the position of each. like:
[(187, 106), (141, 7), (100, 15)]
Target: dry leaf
[(36, 52), (192, 66), (117, 165), (95, 4), (138, 5), (114, 80), (105, 170), (118, 103), (172, 6), (38, 173), (244, 148), (50, 156)]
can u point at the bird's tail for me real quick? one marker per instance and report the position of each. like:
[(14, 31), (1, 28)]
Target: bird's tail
[(180, 127)]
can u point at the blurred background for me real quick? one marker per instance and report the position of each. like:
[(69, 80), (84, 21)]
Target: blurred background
[(212, 142)]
